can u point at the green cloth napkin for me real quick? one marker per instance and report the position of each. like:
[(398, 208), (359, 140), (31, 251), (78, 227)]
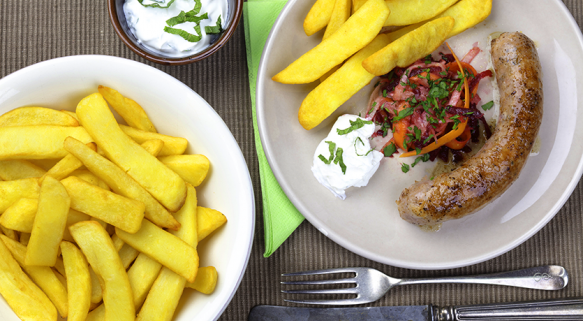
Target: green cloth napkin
[(280, 217)]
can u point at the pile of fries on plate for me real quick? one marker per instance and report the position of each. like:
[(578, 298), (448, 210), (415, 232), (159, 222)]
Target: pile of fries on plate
[(99, 221), (356, 47)]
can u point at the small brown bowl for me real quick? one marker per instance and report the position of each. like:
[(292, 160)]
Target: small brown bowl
[(118, 20)]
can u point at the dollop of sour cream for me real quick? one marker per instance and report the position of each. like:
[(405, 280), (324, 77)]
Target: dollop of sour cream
[(359, 159), (147, 24)]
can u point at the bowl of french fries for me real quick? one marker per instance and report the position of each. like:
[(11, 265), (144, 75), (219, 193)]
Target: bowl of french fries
[(124, 196)]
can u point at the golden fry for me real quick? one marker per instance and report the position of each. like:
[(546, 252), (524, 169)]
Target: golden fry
[(72, 218), (78, 282), (192, 168), (66, 166), (38, 142), (172, 145), (467, 13), (121, 183), (339, 87), (128, 109), (43, 276), (20, 216), (408, 12), (30, 116), (100, 253), (356, 4), (12, 191), (208, 220), (358, 31), (340, 14), (18, 169), (319, 16), (410, 47), (119, 211), (90, 178), (153, 146), (165, 185), (22, 295), (206, 280), (49, 224)]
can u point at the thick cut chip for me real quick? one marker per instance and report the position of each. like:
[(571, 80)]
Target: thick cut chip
[(121, 183), (117, 210), (90, 178), (43, 276), (339, 87), (165, 185), (410, 47), (70, 113), (128, 109), (127, 254), (153, 146), (206, 280), (72, 218), (78, 282), (168, 287), (163, 247), (38, 142), (318, 16), (20, 216), (356, 4), (358, 31), (11, 234), (467, 13), (66, 166), (407, 12), (102, 256), (142, 275), (340, 14), (31, 116), (172, 145), (96, 289), (22, 295), (12, 191), (192, 168), (208, 220), (24, 238), (18, 169), (49, 224)]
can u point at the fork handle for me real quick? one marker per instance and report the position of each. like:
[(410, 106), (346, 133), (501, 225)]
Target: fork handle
[(548, 277), (571, 309)]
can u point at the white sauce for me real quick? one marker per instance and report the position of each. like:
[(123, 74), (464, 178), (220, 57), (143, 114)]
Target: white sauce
[(359, 169), (147, 24)]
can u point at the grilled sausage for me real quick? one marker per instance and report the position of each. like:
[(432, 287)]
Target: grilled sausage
[(497, 165)]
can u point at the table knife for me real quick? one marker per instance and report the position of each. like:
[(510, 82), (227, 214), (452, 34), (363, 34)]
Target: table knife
[(564, 309)]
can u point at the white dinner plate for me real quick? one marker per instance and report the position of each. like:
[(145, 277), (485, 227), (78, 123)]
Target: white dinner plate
[(175, 110), (368, 222)]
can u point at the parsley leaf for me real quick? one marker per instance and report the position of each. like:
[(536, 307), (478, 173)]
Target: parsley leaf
[(404, 168), (389, 150), (423, 158), (404, 113), (488, 105)]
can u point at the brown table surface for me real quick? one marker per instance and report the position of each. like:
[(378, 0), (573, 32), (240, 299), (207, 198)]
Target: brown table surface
[(34, 31)]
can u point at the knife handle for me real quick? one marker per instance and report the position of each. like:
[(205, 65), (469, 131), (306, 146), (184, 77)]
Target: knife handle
[(569, 309)]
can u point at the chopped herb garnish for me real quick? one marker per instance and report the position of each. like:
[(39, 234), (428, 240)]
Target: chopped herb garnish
[(354, 125), (428, 139), (338, 160), (404, 113), (214, 29), (384, 93), (404, 168), (185, 17), (424, 158), (428, 59), (331, 147), (488, 105), (187, 36), (389, 150), (356, 150), (157, 4)]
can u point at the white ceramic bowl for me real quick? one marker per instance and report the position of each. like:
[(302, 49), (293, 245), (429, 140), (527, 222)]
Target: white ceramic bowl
[(175, 110)]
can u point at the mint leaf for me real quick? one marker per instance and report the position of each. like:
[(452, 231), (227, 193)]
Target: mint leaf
[(354, 125), (156, 5), (214, 29)]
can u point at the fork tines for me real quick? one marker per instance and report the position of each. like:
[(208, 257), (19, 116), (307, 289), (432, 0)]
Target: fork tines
[(350, 290)]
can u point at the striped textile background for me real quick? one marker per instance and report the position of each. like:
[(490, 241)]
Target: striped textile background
[(33, 31)]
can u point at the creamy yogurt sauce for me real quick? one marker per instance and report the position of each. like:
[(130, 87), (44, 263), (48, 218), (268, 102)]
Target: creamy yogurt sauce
[(147, 24), (346, 159)]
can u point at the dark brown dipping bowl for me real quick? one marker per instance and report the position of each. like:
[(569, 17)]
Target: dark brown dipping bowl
[(118, 20)]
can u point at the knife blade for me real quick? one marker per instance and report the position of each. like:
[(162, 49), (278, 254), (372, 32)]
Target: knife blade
[(556, 310)]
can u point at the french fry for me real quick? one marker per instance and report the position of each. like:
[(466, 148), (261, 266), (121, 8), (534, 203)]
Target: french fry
[(30, 116), (72, 218), (165, 185), (38, 142), (100, 253), (66, 166), (18, 169), (467, 13), (117, 210), (22, 295), (339, 87), (121, 183), (172, 145), (96, 288), (24, 238), (43, 276), (163, 247), (340, 14), (358, 31), (49, 224), (356, 4), (192, 168), (318, 16), (127, 254), (128, 109), (12, 191), (70, 113), (405, 13), (142, 275), (78, 282), (20, 216), (208, 220), (11, 234), (166, 291), (45, 163), (153, 146), (206, 280), (90, 178), (410, 47)]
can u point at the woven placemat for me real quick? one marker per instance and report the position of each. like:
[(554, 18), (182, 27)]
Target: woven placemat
[(33, 31)]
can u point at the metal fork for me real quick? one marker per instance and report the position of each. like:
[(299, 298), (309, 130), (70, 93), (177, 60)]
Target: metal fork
[(372, 284)]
